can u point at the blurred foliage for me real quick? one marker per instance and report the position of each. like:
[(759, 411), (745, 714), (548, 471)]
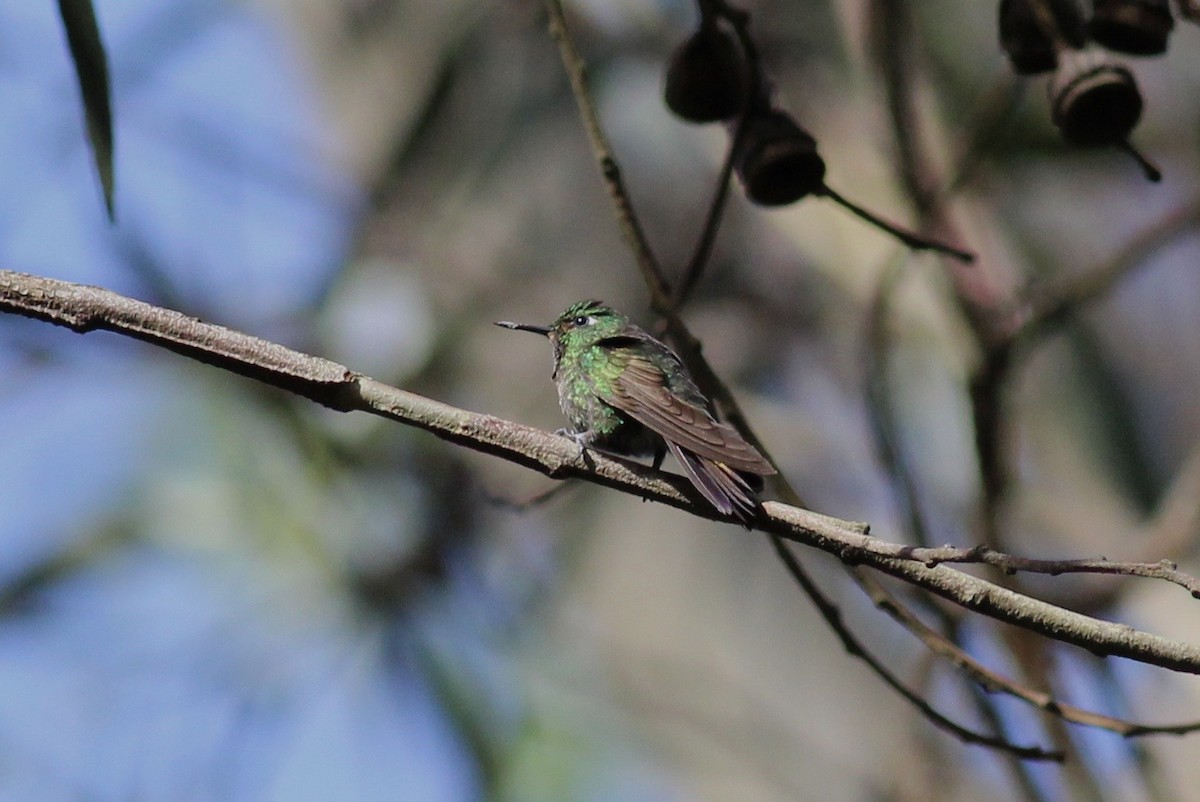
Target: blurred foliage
[(213, 591), (91, 66)]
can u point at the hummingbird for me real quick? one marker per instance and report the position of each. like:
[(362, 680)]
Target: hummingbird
[(626, 393)]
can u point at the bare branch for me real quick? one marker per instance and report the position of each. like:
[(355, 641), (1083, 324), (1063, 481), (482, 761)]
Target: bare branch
[(712, 222), (690, 347), (527, 504), (1174, 529), (993, 681), (854, 646), (652, 272), (85, 308), (887, 445), (1009, 564), (1050, 305), (879, 398), (909, 238), (739, 21), (1171, 533)]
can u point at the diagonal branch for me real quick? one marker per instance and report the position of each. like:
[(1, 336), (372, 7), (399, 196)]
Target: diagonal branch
[(752, 80), (1049, 306), (712, 221), (833, 616), (631, 227), (994, 681), (983, 554), (84, 309)]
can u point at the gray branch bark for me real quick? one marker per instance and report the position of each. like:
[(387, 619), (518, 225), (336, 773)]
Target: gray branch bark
[(84, 309)]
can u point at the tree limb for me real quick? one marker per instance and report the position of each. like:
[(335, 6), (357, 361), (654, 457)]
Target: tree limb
[(852, 644), (84, 308)]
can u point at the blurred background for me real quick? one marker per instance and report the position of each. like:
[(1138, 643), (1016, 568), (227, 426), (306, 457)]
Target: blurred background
[(212, 590)]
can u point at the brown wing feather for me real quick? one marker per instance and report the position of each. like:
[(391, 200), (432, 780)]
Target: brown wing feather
[(724, 487), (640, 391)]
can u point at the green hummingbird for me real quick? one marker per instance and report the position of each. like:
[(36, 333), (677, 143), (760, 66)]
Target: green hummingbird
[(625, 392)]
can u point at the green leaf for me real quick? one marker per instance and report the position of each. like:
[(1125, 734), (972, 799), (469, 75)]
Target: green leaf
[(91, 65)]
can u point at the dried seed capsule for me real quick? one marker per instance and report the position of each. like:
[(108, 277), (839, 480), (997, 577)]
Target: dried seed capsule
[(1033, 31), (705, 80), (1137, 27), (1095, 103), (777, 161)]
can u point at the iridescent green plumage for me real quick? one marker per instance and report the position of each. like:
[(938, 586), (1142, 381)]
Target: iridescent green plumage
[(624, 391)]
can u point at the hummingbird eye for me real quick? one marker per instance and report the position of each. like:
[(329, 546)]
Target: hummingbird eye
[(580, 321)]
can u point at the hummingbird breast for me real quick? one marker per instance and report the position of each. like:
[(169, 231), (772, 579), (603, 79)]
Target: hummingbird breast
[(604, 426)]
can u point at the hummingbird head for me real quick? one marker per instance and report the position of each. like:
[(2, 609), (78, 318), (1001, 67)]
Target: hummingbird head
[(583, 324)]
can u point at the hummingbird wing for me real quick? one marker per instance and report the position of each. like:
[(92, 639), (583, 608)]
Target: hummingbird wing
[(639, 388)]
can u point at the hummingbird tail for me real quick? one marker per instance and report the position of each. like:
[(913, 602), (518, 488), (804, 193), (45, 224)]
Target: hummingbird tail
[(725, 488)]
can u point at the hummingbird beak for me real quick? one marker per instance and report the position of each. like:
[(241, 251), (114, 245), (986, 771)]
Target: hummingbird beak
[(542, 330)]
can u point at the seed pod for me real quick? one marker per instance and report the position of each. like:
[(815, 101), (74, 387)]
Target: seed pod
[(705, 80), (1095, 102), (1137, 27), (1032, 32), (777, 161)]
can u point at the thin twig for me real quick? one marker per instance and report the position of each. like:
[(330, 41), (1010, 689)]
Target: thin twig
[(1165, 570), (652, 272), (1050, 306), (909, 238), (978, 294), (527, 504), (888, 445), (994, 681), (712, 221), (886, 442), (833, 617), (975, 289), (752, 79), (1173, 531), (882, 417)]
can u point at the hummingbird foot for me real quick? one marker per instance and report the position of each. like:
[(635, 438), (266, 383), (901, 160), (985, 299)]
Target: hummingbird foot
[(660, 453), (584, 441)]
